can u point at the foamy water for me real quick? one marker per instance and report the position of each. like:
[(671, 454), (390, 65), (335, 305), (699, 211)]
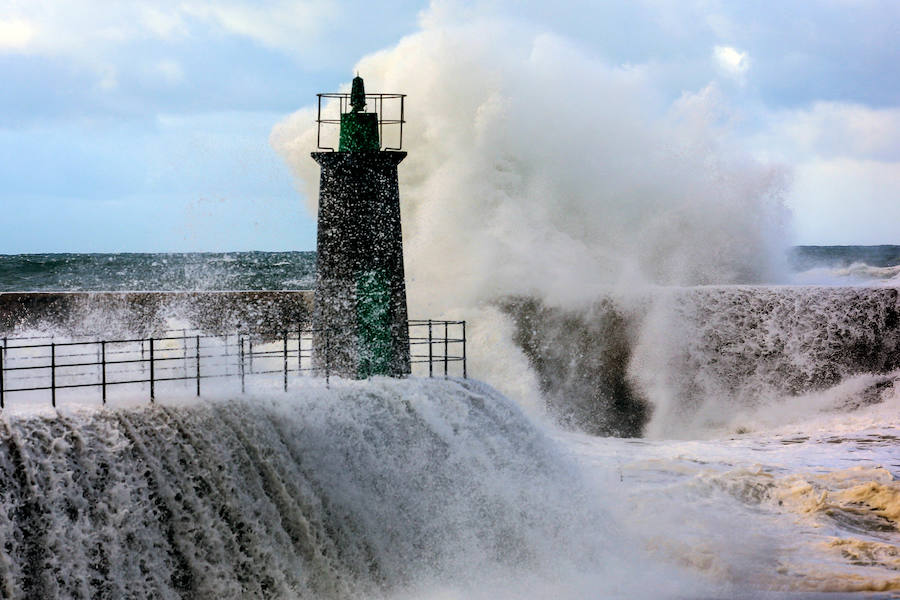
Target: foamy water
[(810, 507)]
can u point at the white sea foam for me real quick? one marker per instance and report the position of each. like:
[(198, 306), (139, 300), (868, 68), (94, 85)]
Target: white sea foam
[(792, 513), (857, 273)]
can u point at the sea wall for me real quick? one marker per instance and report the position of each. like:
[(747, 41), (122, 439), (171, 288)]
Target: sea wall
[(142, 312), (674, 361)]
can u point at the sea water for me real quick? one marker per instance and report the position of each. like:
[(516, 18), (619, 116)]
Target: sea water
[(129, 271)]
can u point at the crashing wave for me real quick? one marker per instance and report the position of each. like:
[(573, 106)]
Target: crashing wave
[(674, 362)]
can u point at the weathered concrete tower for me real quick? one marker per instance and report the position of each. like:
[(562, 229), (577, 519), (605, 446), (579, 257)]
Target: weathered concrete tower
[(360, 304)]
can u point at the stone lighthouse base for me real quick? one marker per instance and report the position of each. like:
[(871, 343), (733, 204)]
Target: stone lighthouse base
[(360, 301)]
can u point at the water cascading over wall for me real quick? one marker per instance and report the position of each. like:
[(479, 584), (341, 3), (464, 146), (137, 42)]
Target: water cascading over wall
[(353, 492)]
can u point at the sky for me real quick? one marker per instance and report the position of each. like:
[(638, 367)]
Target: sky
[(145, 126)]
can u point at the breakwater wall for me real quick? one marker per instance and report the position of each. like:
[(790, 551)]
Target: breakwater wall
[(682, 361), (145, 312)]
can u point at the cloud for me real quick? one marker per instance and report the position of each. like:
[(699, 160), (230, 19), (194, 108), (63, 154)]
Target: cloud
[(95, 28), (732, 61), (78, 28), (134, 59), (833, 130), (15, 35), (846, 161), (286, 25), (168, 24)]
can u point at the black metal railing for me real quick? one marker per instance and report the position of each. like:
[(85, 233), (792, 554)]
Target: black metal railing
[(437, 337), (38, 364), (380, 102)]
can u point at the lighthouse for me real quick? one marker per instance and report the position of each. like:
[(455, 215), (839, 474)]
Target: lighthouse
[(360, 314)]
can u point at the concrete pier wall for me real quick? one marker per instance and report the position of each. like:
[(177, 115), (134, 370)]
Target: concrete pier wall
[(143, 312)]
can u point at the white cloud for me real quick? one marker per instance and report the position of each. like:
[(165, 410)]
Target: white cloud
[(15, 35), (164, 24), (846, 201), (284, 24), (84, 28), (834, 129), (732, 61), (846, 161), (112, 45), (91, 28)]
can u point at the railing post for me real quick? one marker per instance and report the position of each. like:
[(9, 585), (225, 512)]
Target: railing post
[(327, 358), (152, 390), (241, 352), (53, 374), (446, 347), (227, 364), (464, 349), (103, 369), (2, 353), (430, 356), (285, 360), (197, 343), (250, 344), (299, 350)]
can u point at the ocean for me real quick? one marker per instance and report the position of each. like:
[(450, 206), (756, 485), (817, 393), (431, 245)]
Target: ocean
[(710, 441), (172, 272), (135, 271)]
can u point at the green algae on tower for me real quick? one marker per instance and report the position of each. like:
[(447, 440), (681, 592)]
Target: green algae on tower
[(360, 309)]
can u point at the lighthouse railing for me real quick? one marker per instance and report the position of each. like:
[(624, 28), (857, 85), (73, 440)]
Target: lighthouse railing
[(332, 105), (44, 366)]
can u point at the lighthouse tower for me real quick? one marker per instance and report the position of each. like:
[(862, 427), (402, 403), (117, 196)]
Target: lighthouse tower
[(360, 313)]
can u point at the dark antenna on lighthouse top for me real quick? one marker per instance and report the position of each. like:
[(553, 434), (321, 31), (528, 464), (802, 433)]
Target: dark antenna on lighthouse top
[(338, 109)]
